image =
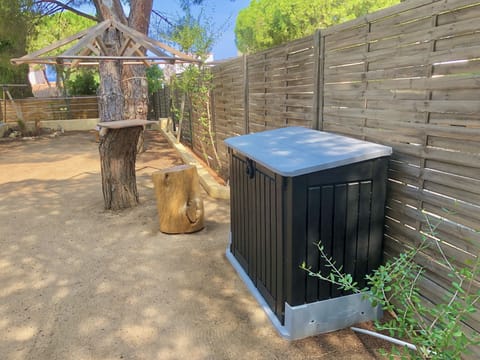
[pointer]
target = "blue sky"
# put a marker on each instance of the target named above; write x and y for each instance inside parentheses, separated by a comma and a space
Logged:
(220, 11)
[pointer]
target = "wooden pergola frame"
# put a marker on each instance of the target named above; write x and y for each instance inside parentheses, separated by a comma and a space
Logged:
(91, 47)
(88, 49)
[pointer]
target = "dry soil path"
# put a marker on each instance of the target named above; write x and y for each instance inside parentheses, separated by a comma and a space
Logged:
(78, 282)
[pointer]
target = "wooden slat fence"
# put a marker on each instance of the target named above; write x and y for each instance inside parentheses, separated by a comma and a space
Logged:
(81, 107)
(228, 103)
(280, 86)
(408, 77)
(57, 108)
(159, 104)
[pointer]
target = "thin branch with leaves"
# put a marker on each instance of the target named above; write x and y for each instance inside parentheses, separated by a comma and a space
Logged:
(436, 330)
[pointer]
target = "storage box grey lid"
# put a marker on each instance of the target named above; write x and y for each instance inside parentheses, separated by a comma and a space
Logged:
(293, 151)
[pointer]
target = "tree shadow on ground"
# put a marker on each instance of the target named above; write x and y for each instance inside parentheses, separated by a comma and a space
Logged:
(78, 282)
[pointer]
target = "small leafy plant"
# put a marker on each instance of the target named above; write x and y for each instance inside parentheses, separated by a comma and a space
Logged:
(436, 330)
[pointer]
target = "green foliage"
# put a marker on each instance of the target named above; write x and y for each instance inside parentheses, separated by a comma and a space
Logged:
(194, 35)
(155, 78)
(267, 23)
(83, 82)
(436, 330)
(52, 28)
(16, 17)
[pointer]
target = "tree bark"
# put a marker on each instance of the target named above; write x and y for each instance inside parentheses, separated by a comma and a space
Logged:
(110, 102)
(118, 147)
(118, 151)
(135, 85)
(117, 157)
(179, 203)
(135, 88)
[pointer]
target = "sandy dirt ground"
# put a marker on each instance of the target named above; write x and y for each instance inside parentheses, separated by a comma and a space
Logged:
(79, 282)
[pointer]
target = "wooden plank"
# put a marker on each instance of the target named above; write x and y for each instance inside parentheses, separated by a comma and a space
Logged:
(380, 14)
(468, 81)
(438, 32)
(374, 114)
(468, 121)
(452, 192)
(462, 234)
(466, 184)
(450, 106)
(346, 38)
(419, 18)
(462, 67)
(119, 124)
(456, 94)
(400, 54)
(461, 40)
(464, 159)
(414, 71)
(99, 27)
(472, 171)
(462, 145)
(466, 10)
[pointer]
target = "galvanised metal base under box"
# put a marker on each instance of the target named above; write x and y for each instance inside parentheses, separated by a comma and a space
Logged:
(290, 189)
(314, 318)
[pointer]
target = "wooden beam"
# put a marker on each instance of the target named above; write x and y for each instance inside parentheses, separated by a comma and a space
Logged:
(56, 45)
(84, 52)
(125, 45)
(139, 44)
(102, 57)
(92, 49)
(149, 42)
(135, 48)
(89, 38)
(101, 45)
(139, 52)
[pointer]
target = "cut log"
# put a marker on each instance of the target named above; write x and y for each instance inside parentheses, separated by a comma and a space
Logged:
(180, 206)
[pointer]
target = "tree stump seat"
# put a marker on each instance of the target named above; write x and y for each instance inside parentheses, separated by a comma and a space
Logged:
(179, 202)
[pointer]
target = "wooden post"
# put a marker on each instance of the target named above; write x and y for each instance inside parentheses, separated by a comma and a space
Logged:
(180, 206)
(319, 54)
(246, 105)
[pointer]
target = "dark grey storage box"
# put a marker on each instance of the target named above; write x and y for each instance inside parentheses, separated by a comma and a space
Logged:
(290, 188)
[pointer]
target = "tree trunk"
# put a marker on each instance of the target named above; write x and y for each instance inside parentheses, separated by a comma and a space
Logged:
(180, 206)
(118, 151)
(118, 147)
(110, 102)
(135, 85)
(135, 89)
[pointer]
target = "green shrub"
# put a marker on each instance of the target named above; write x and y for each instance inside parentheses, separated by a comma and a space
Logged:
(437, 331)
(83, 82)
